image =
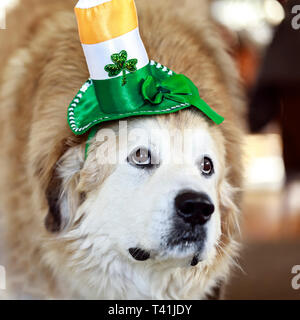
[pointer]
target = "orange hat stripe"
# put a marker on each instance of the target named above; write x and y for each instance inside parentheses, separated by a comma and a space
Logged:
(106, 21)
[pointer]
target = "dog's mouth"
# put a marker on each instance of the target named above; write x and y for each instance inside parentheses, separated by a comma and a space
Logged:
(181, 244)
(142, 255)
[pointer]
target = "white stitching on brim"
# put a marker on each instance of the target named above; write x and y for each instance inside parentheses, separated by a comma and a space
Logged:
(90, 82)
(128, 114)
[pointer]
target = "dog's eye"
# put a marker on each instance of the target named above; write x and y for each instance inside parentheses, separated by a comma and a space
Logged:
(140, 157)
(206, 166)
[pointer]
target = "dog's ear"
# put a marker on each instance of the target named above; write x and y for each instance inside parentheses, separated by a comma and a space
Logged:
(61, 193)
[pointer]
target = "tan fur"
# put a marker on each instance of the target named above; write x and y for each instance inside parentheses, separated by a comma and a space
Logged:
(42, 68)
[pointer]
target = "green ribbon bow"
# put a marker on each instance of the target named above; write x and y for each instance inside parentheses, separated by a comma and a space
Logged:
(177, 88)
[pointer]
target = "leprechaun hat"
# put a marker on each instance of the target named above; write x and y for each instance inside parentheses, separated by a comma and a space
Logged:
(123, 82)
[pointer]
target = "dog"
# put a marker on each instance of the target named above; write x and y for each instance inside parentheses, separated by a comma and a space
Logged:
(156, 224)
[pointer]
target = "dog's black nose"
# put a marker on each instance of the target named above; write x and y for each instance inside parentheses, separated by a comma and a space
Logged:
(193, 207)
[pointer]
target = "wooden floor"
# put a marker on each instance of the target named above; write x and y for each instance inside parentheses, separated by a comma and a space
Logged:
(266, 272)
(271, 236)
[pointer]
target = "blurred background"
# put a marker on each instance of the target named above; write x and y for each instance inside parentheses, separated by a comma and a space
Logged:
(264, 38)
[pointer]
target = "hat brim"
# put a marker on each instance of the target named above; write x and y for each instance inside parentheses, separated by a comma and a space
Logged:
(88, 104)
(84, 111)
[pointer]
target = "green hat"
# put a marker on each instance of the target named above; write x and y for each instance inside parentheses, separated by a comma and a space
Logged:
(123, 82)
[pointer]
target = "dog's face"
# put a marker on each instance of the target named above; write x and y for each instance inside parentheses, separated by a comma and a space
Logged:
(161, 201)
(152, 196)
(152, 193)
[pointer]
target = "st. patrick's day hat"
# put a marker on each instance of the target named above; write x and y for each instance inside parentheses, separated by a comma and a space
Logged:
(123, 82)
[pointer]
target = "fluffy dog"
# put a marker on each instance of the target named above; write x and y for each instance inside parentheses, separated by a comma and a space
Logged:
(129, 229)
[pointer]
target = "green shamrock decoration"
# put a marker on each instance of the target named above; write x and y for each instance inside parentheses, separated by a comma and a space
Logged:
(121, 64)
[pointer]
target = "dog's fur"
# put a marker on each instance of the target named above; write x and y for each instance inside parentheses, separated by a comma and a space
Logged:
(62, 230)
